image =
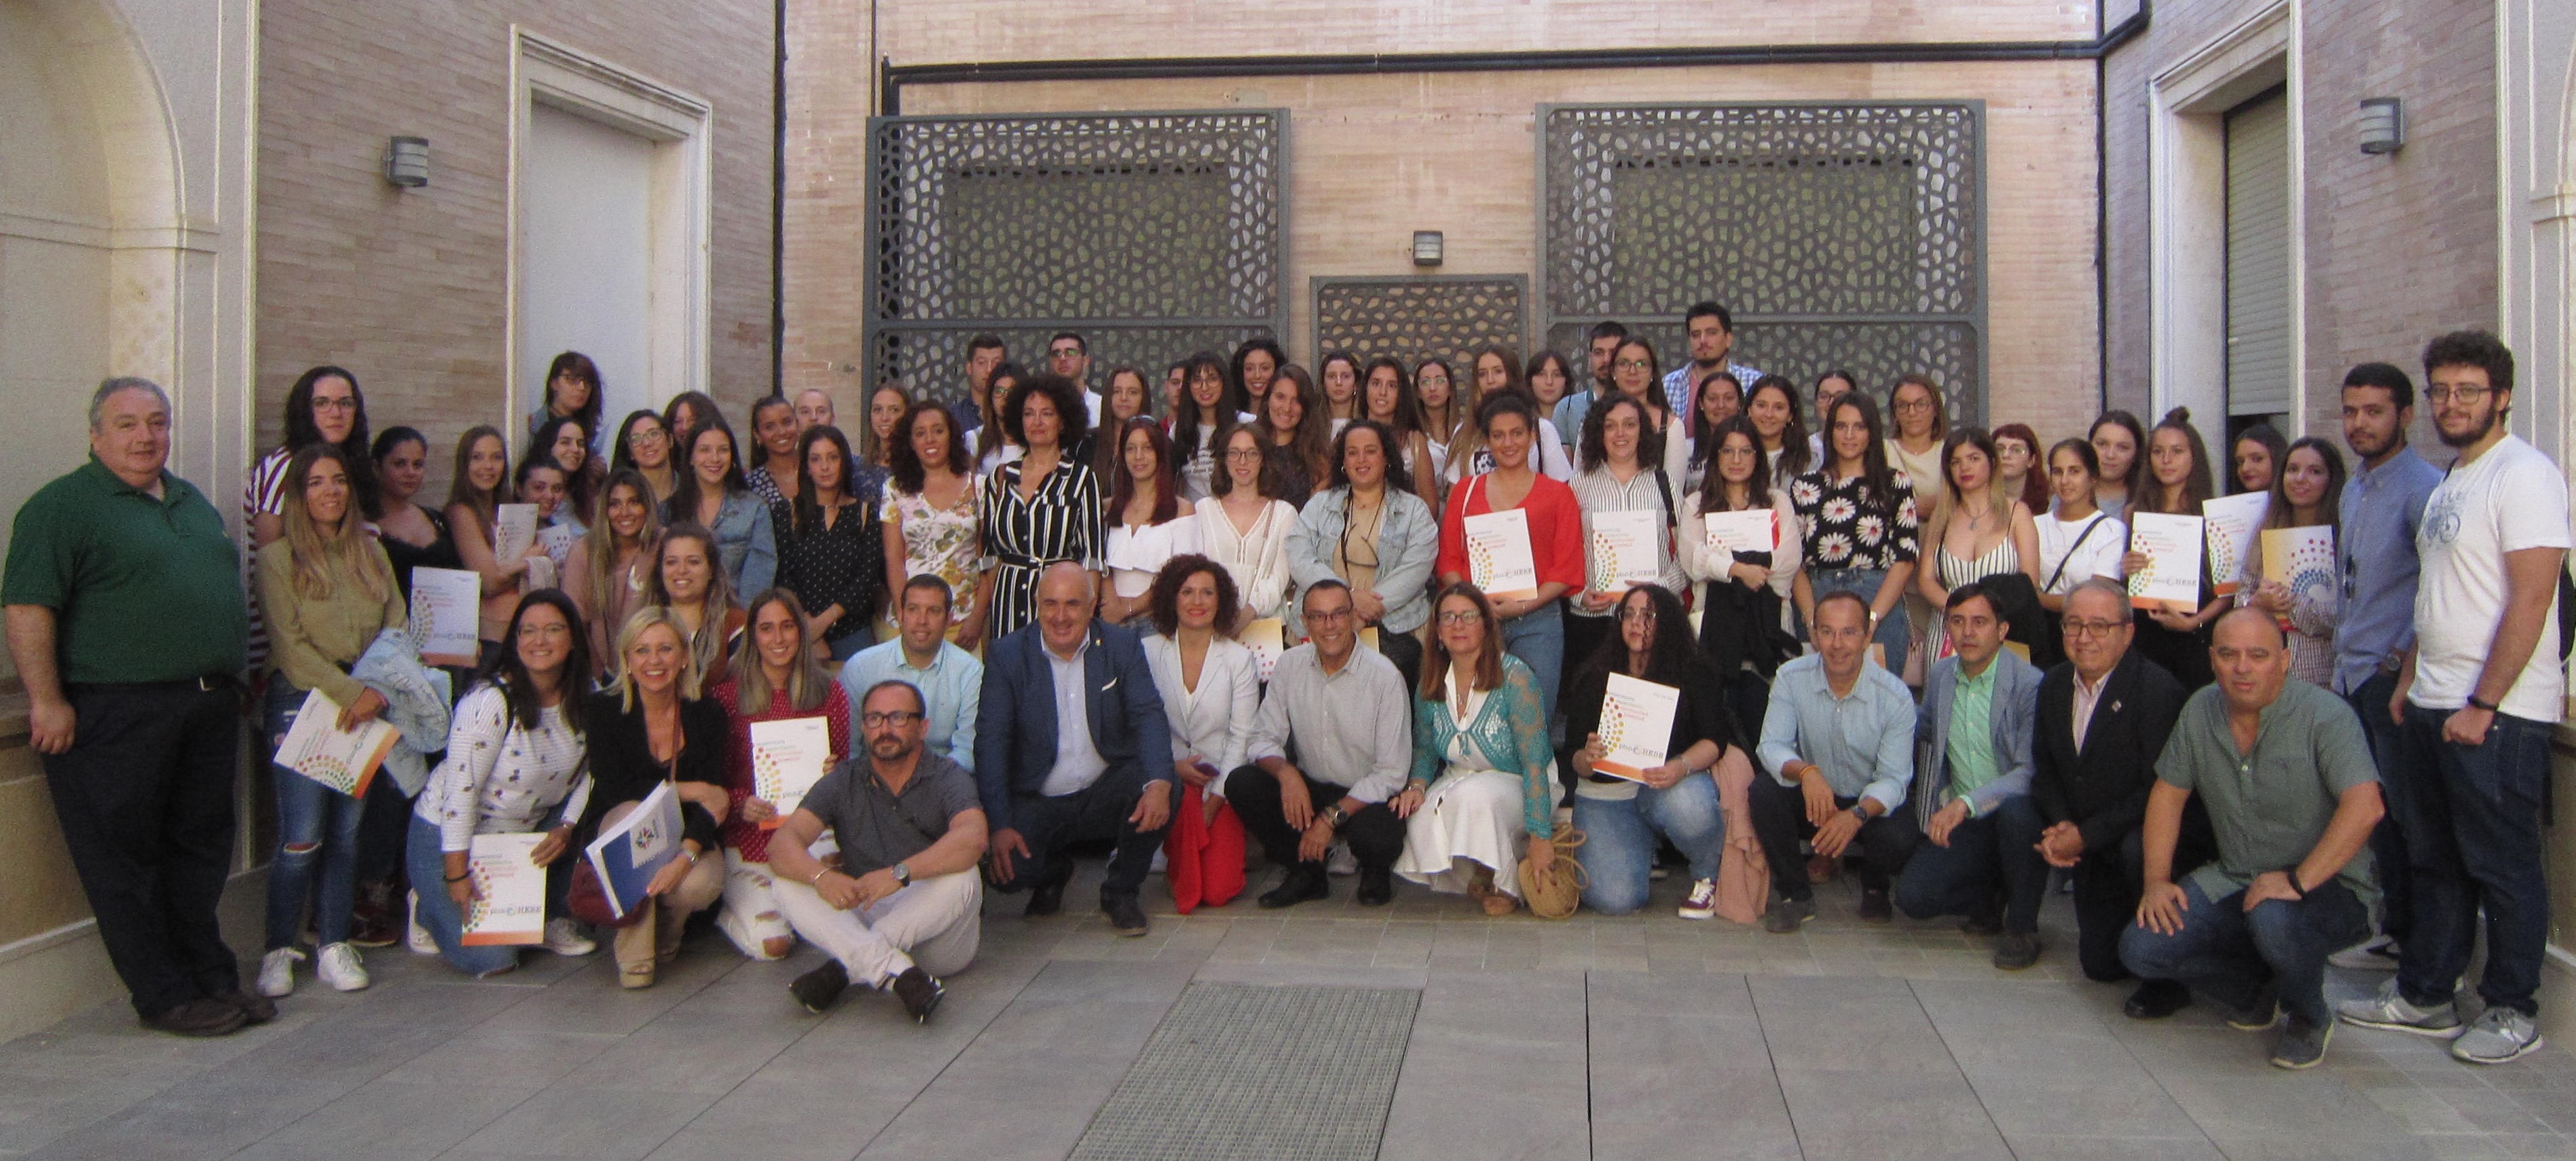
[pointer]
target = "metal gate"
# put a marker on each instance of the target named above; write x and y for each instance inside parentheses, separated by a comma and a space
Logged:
(1151, 234)
(1840, 234)
(1415, 318)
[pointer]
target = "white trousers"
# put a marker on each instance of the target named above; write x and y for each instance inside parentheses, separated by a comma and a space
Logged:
(935, 923)
(1467, 817)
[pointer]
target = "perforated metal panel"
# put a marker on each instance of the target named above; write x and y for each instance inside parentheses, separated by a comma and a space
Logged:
(1243, 1073)
(1839, 234)
(1448, 315)
(1152, 234)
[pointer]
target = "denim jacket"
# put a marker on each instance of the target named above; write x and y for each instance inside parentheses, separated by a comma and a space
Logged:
(746, 544)
(1408, 542)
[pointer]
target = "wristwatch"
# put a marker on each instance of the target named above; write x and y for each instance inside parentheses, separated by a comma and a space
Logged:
(902, 875)
(1333, 816)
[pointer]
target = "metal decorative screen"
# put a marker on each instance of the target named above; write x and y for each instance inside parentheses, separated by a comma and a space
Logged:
(1846, 235)
(1415, 318)
(1152, 234)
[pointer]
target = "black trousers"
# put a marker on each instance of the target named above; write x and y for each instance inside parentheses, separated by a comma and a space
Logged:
(2108, 882)
(1376, 835)
(1095, 813)
(1780, 821)
(1405, 650)
(145, 799)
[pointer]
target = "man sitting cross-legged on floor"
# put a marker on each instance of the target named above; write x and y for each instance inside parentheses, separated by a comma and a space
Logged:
(1981, 830)
(905, 906)
(2292, 793)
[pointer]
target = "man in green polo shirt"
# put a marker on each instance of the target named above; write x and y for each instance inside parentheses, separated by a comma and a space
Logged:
(125, 616)
(2293, 793)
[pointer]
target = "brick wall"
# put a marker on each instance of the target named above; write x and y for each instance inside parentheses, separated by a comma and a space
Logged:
(406, 288)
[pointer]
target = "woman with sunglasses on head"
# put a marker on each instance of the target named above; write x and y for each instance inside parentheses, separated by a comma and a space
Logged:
(773, 677)
(1369, 530)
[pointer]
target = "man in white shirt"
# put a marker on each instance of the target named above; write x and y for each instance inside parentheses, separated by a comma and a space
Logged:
(2478, 695)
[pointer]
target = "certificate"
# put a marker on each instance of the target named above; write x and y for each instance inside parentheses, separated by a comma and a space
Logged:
(1267, 638)
(509, 907)
(1636, 726)
(1619, 550)
(2301, 560)
(2233, 522)
(1733, 533)
(626, 855)
(344, 760)
(2172, 546)
(557, 541)
(787, 759)
(1498, 554)
(514, 531)
(446, 614)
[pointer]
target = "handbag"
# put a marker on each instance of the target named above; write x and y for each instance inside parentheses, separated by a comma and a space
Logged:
(1555, 892)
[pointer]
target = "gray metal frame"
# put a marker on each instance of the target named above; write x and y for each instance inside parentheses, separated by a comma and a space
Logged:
(1243, 297)
(1518, 285)
(1775, 133)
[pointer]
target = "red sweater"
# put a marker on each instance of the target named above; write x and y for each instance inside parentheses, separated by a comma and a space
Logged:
(1555, 523)
(747, 837)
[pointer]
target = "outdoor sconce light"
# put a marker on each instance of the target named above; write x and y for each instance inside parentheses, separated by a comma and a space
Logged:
(2383, 125)
(407, 162)
(1426, 247)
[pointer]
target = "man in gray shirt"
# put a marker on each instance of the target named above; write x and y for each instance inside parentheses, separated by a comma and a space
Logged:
(1838, 741)
(2292, 793)
(905, 905)
(1343, 712)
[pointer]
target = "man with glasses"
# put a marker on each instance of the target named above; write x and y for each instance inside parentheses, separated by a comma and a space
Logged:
(2379, 513)
(1070, 356)
(1838, 741)
(2479, 693)
(1343, 712)
(1974, 739)
(904, 907)
(2104, 714)
(1711, 330)
(950, 679)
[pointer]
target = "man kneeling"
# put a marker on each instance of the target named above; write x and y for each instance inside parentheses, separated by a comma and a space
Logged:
(904, 906)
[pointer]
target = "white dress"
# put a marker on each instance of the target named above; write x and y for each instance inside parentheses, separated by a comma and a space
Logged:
(1256, 560)
(1470, 817)
(1133, 554)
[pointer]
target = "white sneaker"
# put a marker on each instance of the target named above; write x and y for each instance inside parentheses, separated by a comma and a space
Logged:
(1702, 903)
(418, 939)
(2376, 954)
(277, 972)
(564, 937)
(341, 968)
(1338, 859)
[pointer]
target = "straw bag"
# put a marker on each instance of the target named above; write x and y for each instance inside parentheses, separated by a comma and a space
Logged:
(1555, 892)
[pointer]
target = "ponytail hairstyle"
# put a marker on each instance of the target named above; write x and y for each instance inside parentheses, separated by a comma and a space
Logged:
(2197, 484)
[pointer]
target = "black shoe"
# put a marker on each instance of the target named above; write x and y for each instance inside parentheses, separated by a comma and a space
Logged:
(1126, 916)
(2301, 1044)
(2262, 1014)
(1874, 907)
(1987, 921)
(2156, 999)
(1299, 886)
(199, 1017)
(2017, 950)
(1787, 915)
(819, 988)
(1044, 899)
(255, 1008)
(920, 992)
(1377, 888)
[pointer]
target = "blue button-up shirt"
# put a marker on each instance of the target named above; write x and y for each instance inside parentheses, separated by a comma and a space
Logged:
(2379, 510)
(953, 685)
(1864, 742)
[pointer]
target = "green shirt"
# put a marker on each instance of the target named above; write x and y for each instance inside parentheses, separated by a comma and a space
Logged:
(2270, 806)
(1972, 733)
(142, 589)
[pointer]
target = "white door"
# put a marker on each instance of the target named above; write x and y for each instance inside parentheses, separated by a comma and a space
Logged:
(587, 233)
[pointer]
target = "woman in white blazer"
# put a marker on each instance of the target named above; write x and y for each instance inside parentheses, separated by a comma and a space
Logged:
(1211, 689)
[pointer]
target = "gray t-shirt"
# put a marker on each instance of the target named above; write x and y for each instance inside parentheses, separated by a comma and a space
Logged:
(879, 828)
(2270, 806)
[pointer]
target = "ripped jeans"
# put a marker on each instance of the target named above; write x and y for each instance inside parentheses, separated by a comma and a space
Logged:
(317, 837)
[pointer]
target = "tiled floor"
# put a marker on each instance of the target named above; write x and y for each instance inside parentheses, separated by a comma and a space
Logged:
(1641, 1037)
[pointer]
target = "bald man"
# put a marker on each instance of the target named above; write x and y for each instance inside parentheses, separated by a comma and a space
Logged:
(1071, 744)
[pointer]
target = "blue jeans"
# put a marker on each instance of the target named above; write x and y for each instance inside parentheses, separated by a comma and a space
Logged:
(1619, 847)
(1989, 855)
(1863, 583)
(438, 912)
(2388, 839)
(1537, 637)
(2472, 820)
(317, 833)
(2228, 954)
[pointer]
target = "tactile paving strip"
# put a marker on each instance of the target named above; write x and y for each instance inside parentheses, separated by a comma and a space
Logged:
(1244, 1073)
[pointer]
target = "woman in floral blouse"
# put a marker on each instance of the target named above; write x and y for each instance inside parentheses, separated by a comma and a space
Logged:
(1860, 523)
(930, 514)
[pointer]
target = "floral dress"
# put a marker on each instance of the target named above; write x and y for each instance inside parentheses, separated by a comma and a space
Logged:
(945, 542)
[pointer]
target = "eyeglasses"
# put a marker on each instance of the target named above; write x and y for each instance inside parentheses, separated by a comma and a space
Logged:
(1914, 405)
(2436, 394)
(2094, 628)
(1065, 353)
(1461, 617)
(1644, 616)
(898, 718)
(1315, 615)
(1633, 365)
(1243, 453)
(335, 405)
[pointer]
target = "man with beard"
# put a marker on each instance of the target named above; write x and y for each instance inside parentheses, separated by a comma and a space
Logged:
(1711, 330)
(2478, 696)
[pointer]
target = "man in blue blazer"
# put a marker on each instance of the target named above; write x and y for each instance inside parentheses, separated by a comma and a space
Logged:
(1071, 745)
(1972, 786)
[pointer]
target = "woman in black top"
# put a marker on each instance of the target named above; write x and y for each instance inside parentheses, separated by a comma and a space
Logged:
(648, 728)
(834, 556)
(414, 534)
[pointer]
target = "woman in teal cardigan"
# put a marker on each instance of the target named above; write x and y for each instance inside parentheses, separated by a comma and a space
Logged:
(1483, 792)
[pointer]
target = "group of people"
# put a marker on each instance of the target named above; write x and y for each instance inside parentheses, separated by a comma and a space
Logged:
(1245, 607)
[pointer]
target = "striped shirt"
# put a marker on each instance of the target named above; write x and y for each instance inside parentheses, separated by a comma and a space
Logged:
(263, 493)
(1062, 521)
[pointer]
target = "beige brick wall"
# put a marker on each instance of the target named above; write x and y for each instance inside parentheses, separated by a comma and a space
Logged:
(406, 288)
(1374, 157)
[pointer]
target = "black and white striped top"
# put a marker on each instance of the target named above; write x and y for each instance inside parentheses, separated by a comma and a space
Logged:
(1062, 521)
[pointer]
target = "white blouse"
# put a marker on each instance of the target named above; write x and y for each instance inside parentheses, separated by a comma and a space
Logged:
(2098, 555)
(1704, 564)
(1213, 722)
(1257, 560)
(1134, 554)
(499, 778)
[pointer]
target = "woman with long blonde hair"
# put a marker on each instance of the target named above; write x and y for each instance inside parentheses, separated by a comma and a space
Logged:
(611, 570)
(688, 581)
(650, 728)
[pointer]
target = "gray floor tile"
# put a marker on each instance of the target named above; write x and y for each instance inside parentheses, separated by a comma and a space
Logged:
(620, 1124)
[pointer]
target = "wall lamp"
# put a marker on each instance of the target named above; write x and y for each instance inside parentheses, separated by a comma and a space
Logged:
(1426, 247)
(407, 162)
(2383, 125)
